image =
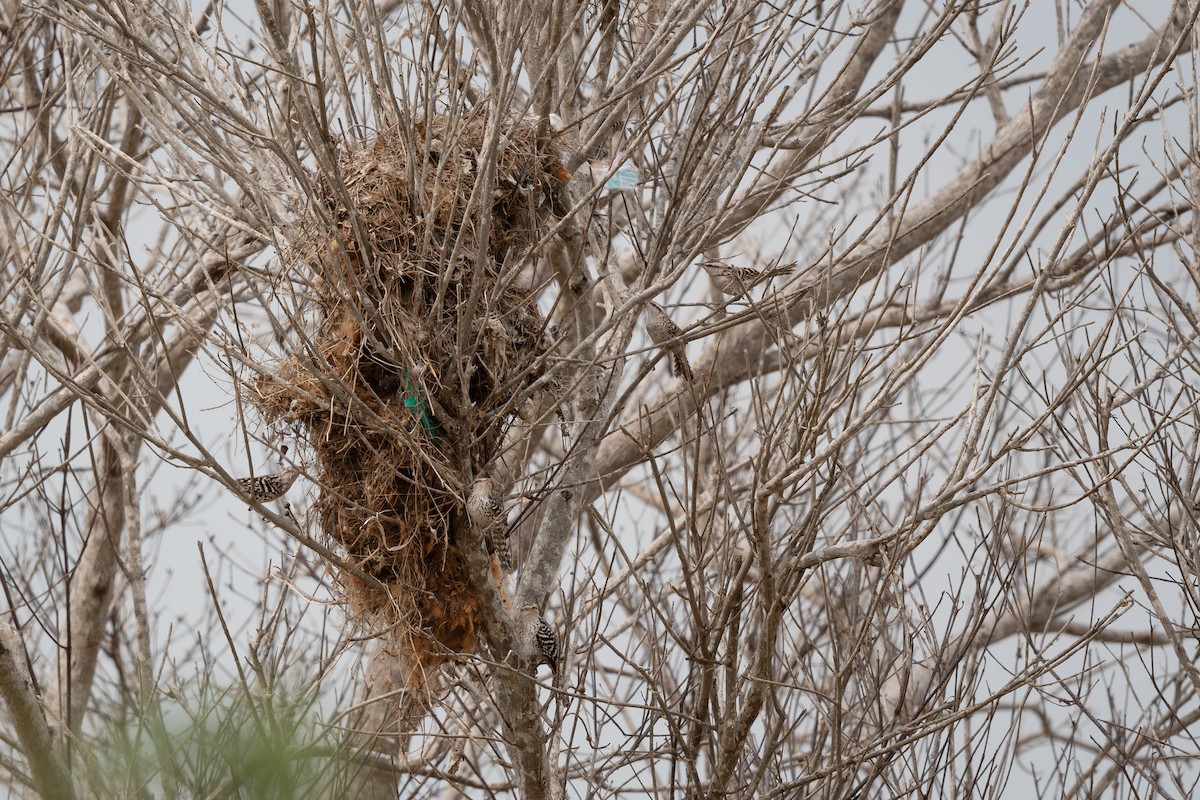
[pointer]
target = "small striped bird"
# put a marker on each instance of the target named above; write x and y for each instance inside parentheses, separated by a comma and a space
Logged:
(487, 517)
(666, 334)
(265, 488)
(736, 281)
(537, 638)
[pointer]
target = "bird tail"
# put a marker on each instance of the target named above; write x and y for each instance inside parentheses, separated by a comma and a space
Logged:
(680, 366)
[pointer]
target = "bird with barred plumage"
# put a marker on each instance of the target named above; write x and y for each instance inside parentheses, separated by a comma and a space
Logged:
(736, 281)
(487, 517)
(667, 335)
(265, 488)
(537, 638)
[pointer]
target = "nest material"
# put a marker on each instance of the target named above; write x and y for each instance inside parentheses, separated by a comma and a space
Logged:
(412, 267)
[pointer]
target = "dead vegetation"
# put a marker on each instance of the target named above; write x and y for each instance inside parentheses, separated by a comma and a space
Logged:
(426, 329)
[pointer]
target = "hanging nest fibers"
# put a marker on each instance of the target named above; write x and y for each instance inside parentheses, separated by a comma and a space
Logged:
(423, 335)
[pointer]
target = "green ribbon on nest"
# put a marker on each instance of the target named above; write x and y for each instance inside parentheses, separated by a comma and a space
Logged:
(412, 399)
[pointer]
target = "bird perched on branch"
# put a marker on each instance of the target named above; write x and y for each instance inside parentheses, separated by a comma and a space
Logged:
(265, 488)
(487, 517)
(666, 334)
(536, 638)
(736, 281)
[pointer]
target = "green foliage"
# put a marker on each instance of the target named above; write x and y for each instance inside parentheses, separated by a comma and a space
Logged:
(231, 744)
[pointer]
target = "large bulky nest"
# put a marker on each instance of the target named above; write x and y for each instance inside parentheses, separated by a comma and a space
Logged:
(396, 417)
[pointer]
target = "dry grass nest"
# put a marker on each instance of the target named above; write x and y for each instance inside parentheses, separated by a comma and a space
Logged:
(422, 339)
